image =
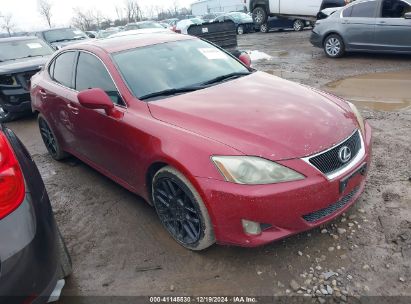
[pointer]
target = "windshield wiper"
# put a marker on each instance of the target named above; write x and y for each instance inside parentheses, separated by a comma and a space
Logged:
(226, 77)
(61, 40)
(170, 92)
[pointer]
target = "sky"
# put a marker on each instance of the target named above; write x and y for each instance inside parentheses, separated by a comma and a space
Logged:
(26, 16)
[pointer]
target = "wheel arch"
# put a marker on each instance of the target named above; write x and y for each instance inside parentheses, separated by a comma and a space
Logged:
(262, 3)
(333, 33)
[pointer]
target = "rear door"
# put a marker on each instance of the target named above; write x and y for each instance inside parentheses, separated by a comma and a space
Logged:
(358, 24)
(393, 31)
(301, 7)
(53, 95)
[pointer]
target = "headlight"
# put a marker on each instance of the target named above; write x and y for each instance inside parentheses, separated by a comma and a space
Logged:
(359, 117)
(253, 170)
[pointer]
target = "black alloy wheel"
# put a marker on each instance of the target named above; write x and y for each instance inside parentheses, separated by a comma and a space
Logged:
(50, 140)
(181, 210)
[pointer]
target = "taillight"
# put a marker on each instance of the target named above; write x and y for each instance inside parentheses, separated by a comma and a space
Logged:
(11, 179)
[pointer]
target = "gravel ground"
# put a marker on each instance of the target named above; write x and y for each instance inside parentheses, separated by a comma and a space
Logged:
(119, 247)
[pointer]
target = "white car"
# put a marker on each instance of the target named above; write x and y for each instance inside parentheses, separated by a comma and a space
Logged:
(183, 25)
(142, 31)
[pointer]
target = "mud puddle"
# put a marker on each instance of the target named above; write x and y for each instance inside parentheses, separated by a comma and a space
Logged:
(388, 91)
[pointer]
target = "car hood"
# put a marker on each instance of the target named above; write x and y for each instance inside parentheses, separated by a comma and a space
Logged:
(22, 65)
(261, 115)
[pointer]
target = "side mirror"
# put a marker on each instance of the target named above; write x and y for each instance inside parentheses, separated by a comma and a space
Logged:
(407, 15)
(245, 58)
(96, 99)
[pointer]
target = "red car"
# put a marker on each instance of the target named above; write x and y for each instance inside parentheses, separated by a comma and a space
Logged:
(224, 153)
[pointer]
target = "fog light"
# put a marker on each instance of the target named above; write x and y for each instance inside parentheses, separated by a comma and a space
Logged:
(251, 227)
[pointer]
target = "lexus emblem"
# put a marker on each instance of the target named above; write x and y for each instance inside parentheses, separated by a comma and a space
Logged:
(344, 154)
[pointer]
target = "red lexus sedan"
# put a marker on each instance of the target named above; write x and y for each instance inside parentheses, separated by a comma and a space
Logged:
(224, 153)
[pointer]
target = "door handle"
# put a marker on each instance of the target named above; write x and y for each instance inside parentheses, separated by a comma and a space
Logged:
(43, 94)
(73, 109)
(382, 22)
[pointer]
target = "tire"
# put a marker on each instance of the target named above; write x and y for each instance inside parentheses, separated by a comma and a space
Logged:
(334, 46)
(260, 15)
(66, 267)
(264, 28)
(50, 139)
(181, 210)
(5, 116)
(298, 25)
(240, 30)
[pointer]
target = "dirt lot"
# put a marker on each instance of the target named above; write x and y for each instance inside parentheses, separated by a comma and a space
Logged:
(119, 247)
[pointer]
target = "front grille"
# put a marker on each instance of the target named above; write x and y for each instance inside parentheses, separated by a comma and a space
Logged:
(329, 161)
(318, 215)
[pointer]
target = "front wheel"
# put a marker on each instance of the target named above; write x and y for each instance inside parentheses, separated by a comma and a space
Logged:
(181, 210)
(5, 116)
(264, 28)
(334, 46)
(298, 25)
(259, 15)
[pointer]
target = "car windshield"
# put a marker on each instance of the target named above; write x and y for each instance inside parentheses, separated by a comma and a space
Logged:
(12, 50)
(64, 35)
(105, 34)
(143, 25)
(175, 65)
(240, 17)
(197, 21)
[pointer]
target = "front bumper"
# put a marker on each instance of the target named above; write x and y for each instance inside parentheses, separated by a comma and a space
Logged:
(16, 100)
(316, 40)
(281, 207)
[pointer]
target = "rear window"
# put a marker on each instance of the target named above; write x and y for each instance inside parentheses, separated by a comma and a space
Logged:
(60, 35)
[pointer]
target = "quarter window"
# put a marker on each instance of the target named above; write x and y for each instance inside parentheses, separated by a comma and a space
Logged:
(394, 9)
(91, 74)
(63, 68)
(364, 9)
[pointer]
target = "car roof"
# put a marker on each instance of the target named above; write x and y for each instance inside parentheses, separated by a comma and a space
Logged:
(21, 38)
(123, 43)
(58, 28)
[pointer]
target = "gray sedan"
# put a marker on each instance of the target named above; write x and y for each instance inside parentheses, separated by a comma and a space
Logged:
(366, 26)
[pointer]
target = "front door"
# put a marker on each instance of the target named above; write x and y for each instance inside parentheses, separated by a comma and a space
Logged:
(358, 25)
(393, 30)
(102, 139)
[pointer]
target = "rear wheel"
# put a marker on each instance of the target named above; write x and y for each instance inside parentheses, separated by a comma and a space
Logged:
(298, 25)
(264, 28)
(181, 210)
(260, 15)
(334, 46)
(50, 140)
(5, 116)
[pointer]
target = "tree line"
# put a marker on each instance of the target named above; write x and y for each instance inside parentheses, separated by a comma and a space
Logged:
(126, 12)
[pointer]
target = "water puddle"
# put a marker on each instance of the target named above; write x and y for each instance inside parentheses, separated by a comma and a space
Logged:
(388, 91)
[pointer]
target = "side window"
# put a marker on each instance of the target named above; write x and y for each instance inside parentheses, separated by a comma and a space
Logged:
(63, 68)
(91, 74)
(364, 9)
(347, 12)
(394, 9)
